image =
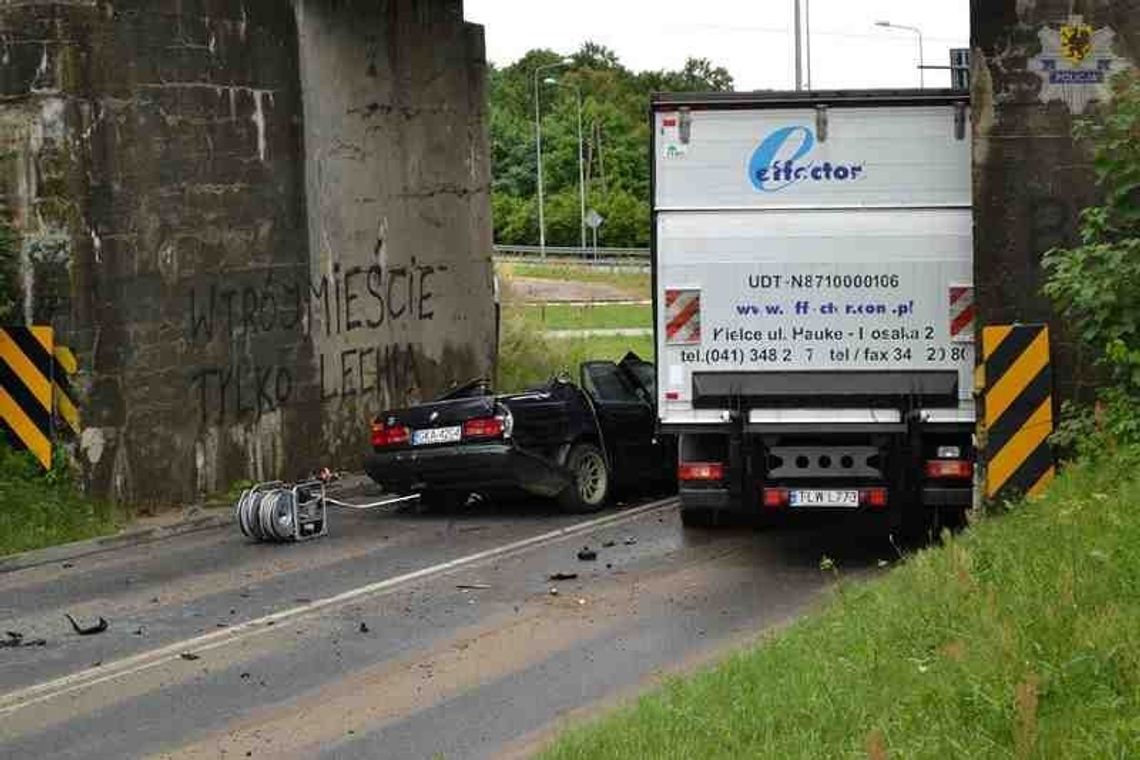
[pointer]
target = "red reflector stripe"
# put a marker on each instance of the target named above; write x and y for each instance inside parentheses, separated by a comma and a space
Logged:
(949, 468)
(700, 471)
(682, 318)
(672, 395)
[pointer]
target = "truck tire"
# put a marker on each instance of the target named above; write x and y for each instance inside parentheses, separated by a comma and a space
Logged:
(589, 487)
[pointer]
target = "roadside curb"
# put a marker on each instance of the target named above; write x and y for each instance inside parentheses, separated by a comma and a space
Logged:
(77, 549)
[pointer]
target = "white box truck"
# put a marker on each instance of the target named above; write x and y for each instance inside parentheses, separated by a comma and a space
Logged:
(814, 303)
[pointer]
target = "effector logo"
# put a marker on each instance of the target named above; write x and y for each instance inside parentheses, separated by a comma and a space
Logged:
(775, 164)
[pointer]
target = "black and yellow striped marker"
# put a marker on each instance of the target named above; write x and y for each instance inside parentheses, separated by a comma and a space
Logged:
(26, 389)
(1018, 410)
(64, 365)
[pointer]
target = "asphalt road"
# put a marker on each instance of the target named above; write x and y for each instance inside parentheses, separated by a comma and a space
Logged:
(364, 643)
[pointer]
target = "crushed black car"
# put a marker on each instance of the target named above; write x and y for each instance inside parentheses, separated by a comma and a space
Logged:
(577, 443)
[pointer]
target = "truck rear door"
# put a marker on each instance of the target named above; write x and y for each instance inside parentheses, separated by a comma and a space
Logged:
(804, 241)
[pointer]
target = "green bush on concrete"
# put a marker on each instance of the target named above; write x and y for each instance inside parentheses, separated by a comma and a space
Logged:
(40, 508)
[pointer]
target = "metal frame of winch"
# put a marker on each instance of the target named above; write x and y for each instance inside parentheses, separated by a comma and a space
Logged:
(280, 512)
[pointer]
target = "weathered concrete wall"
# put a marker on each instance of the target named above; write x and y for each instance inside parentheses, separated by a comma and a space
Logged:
(242, 294)
(1031, 179)
(398, 181)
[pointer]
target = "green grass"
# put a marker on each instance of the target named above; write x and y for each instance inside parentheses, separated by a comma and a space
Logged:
(1018, 639)
(40, 509)
(595, 316)
(527, 358)
(635, 283)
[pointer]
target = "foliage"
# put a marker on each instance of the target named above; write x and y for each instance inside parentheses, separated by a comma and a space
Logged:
(1018, 638)
(615, 137)
(1097, 284)
(42, 509)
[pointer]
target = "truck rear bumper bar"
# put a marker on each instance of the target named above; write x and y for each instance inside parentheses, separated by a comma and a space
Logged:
(708, 498)
(941, 496)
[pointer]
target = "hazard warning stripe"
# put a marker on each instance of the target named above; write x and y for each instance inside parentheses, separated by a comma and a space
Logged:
(962, 313)
(66, 404)
(26, 388)
(1018, 409)
(683, 317)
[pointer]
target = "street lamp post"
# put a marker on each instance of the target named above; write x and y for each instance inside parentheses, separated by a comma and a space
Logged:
(921, 60)
(538, 150)
(581, 163)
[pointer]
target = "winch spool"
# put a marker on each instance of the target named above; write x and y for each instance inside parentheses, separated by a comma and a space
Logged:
(280, 512)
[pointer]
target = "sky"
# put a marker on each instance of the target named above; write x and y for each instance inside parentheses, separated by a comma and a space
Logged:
(751, 38)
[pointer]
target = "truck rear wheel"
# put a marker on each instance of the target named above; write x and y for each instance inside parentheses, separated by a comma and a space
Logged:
(589, 487)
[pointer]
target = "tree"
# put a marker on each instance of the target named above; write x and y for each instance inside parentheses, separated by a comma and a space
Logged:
(615, 143)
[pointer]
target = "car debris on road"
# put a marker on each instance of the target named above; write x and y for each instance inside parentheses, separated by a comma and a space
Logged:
(90, 630)
(15, 640)
(562, 576)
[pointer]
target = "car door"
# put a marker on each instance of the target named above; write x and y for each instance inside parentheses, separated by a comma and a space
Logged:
(625, 416)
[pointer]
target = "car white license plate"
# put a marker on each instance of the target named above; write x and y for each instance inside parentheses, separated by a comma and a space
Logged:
(437, 435)
(823, 498)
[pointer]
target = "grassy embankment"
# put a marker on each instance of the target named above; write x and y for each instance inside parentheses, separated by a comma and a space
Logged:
(43, 509)
(1020, 638)
(529, 356)
(634, 282)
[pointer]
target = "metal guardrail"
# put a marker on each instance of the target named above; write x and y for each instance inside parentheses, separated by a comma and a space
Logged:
(564, 252)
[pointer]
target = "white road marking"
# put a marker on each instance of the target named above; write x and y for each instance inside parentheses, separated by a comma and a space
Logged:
(83, 679)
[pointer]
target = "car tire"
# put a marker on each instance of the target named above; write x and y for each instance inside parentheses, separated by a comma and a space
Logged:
(590, 480)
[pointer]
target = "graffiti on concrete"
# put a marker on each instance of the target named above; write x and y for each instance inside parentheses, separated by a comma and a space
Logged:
(342, 311)
(351, 299)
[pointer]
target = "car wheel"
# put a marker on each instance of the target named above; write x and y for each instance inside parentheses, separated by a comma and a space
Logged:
(590, 480)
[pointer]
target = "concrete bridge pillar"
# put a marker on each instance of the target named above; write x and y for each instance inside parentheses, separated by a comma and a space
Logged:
(1037, 66)
(258, 224)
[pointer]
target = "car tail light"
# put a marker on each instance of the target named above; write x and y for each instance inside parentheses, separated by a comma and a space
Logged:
(700, 471)
(389, 435)
(484, 427)
(775, 498)
(672, 395)
(958, 469)
(875, 498)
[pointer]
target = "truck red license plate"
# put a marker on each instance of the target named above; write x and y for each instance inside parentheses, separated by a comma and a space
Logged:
(823, 498)
(437, 435)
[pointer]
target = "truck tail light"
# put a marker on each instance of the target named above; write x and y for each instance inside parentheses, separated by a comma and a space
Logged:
(956, 469)
(389, 435)
(484, 427)
(687, 471)
(875, 498)
(774, 498)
